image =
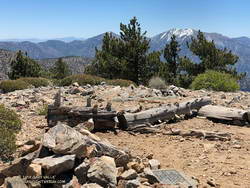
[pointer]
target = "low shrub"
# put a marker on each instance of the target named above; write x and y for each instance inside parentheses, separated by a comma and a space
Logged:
(157, 83)
(216, 81)
(9, 119)
(12, 85)
(81, 79)
(7, 144)
(120, 82)
(36, 82)
(10, 124)
(43, 111)
(55, 82)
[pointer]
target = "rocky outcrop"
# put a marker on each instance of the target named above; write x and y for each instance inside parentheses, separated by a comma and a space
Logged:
(103, 172)
(78, 160)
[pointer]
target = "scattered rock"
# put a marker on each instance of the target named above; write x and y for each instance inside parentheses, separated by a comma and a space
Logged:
(75, 84)
(211, 182)
(29, 148)
(129, 175)
(150, 176)
(19, 166)
(81, 172)
(150, 156)
(72, 184)
(75, 90)
(223, 96)
(91, 185)
(54, 165)
(132, 183)
(34, 170)
(2, 177)
(14, 182)
(103, 172)
(154, 164)
(138, 167)
(237, 146)
(87, 92)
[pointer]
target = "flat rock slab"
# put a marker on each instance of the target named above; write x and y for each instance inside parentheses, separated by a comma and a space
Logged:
(174, 177)
(54, 165)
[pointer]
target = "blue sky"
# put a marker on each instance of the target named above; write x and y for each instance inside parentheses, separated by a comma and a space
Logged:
(86, 18)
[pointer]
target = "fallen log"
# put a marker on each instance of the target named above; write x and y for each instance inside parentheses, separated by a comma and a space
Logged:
(74, 115)
(143, 129)
(209, 135)
(224, 113)
(162, 113)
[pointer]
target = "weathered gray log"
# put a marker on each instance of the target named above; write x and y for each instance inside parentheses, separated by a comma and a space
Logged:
(80, 114)
(144, 129)
(209, 135)
(58, 99)
(89, 102)
(165, 112)
(223, 113)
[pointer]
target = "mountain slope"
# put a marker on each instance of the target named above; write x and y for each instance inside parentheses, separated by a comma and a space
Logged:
(56, 48)
(239, 46)
(75, 63)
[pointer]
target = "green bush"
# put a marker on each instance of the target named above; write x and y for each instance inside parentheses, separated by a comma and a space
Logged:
(23, 66)
(81, 79)
(7, 144)
(55, 82)
(12, 85)
(157, 83)
(10, 124)
(216, 81)
(43, 111)
(9, 119)
(36, 82)
(120, 82)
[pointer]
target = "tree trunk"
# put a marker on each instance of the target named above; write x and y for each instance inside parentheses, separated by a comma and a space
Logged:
(75, 115)
(209, 135)
(223, 113)
(165, 112)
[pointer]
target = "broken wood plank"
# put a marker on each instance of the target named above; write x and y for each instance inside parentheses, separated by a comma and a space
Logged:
(79, 115)
(223, 113)
(165, 112)
(209, 135)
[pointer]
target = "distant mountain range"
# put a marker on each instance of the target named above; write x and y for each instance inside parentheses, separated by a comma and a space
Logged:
(37, 40)
(86, 48)
(75, 63)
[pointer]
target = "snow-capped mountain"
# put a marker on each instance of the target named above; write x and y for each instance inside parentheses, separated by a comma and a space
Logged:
(179, 33)
(239, 46)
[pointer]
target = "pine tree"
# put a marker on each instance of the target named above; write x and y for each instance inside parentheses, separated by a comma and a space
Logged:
(171, 54)
(135, 49)
(61, 69)
(23, 66)
(125, 57)
(212, 58)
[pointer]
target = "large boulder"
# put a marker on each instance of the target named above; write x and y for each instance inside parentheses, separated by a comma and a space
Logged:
(62, 139)
(103, 172)
(54, 165)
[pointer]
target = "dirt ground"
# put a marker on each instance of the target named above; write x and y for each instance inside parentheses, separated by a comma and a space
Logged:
(227, 162)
